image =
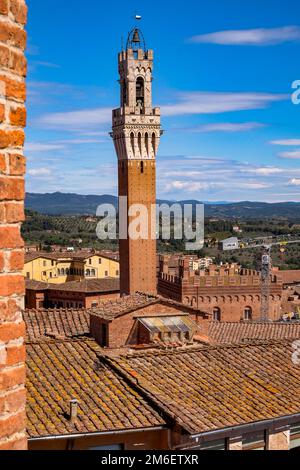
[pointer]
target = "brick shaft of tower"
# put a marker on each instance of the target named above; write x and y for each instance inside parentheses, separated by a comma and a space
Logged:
(136, 134)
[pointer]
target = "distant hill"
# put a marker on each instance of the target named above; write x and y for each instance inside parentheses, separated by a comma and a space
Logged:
(77, 204)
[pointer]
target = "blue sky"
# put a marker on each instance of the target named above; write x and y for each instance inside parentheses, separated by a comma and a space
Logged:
(223, 77)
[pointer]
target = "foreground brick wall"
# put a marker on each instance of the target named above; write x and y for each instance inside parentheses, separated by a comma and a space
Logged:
(12, 166)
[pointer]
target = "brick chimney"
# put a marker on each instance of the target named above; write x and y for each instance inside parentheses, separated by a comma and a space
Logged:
(12, 167)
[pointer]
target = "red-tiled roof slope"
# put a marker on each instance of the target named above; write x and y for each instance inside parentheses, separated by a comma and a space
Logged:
(220, 332)
(60, 371)
(218, 387)
(116, 308)
(89, 286)
(45, 324)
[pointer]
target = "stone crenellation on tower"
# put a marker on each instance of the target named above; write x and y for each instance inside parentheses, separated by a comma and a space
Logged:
(136, 135)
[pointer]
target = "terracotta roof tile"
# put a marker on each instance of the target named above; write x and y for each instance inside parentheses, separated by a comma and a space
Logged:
(115, 308)
(108, 284)
(45, 324)
(217, 387)
(220, 332)
(60, 371)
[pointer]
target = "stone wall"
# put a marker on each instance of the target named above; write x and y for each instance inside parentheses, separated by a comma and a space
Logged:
(12, 167)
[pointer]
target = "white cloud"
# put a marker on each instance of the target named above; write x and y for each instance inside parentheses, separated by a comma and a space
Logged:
(42, 63)
(189, 187)
(229, 127)
(250, 37)
(286, 142)
(294, 182)
(291, 155)
(264, 171)
(42, 147)
(39, 172)
(253, 185)
(219, 102)
(80, 120)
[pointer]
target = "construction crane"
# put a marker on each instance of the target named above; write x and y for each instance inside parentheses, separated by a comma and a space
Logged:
(266, 243)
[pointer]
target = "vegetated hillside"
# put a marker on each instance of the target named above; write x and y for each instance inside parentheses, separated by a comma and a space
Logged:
(77, 204)
(80, 231)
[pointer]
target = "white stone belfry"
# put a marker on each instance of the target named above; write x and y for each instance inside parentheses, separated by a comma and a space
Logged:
(136, 124)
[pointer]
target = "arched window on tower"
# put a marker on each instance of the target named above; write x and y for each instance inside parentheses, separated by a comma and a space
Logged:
(132, 142)
(140, 143)
(217, 314)
(147, 143)
(142, 167)
(153, 142)
(140, 92)
(248, 314)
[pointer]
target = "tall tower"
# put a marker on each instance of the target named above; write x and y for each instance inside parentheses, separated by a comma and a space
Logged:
(136, 134)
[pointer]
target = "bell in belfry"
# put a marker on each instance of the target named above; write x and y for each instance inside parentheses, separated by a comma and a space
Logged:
(136, 36)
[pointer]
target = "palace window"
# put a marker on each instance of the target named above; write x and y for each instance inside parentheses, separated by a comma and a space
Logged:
(217, 314)
(248, 313)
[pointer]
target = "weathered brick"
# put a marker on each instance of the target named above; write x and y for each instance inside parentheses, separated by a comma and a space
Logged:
(12, 169)
(10, 238)
(11, 138)
(2, 112)
(12, 377)
(14, 444)
(19, 10)
(4, 56)
(16, 260)
(18, 63)
(4, 7)
(13, 89)
(12, 424)
(13, 402)
(17, 165)
(9, 311)
(13, 60)
(2, 163)
(13, 35)
(15, 355)
(17, 117)
(14, 212)
(12, 285)
(11, 331)
(12, 188)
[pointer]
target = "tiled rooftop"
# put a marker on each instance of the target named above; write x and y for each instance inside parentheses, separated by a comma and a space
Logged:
(115, 308)
(217, 387)
(80, 255)
(108, 284)
(58, 372)
(45, 324)
(220, 332)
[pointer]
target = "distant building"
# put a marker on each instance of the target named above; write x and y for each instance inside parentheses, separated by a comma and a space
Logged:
(229, 292)
(87, 293)
(229, 244)
(58, 268)
(204, 263)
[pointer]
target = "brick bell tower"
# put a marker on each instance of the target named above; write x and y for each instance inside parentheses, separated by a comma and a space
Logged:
(136, 134)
